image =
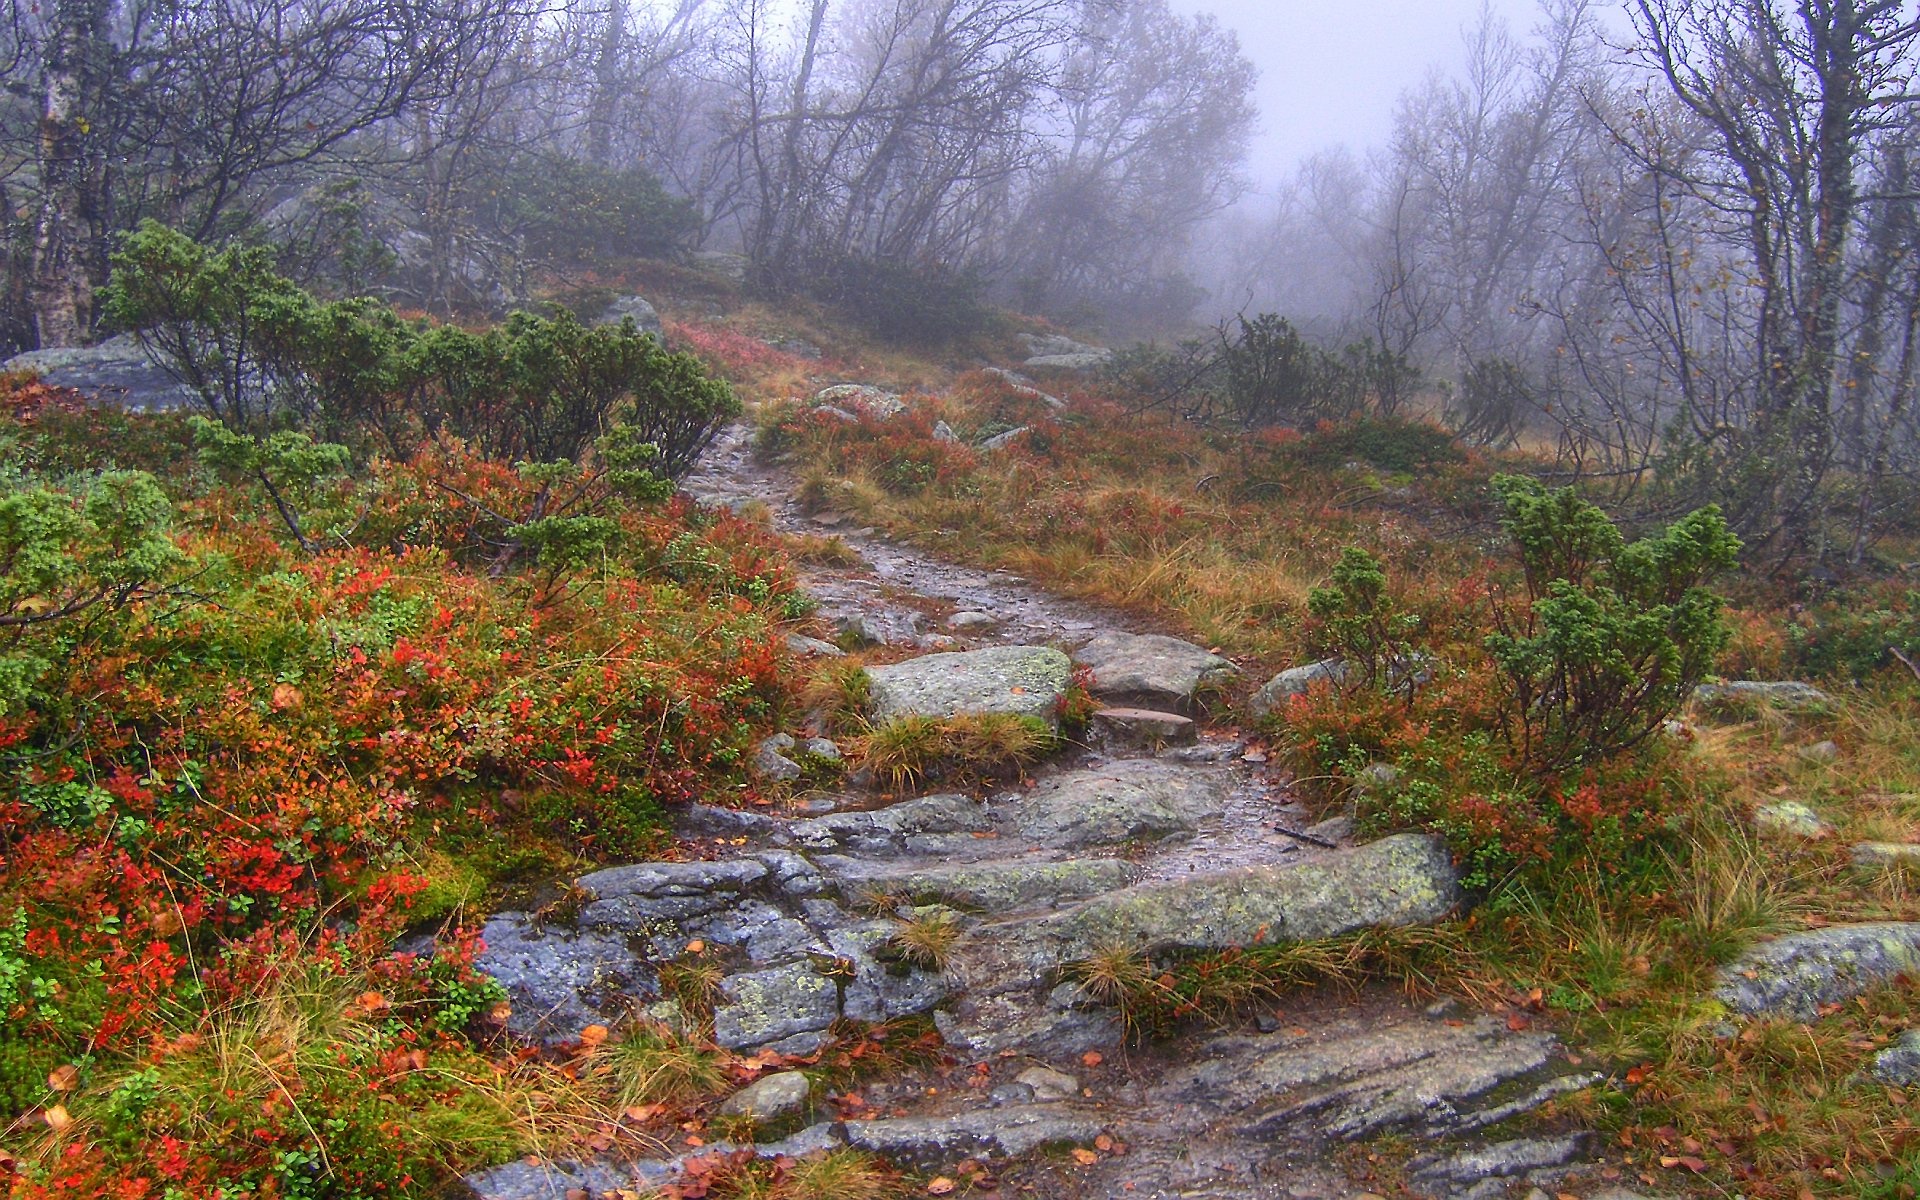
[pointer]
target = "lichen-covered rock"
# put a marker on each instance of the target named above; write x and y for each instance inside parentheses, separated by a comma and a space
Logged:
(881, 991)
(634, 897)
(1787, 694)
(1795, 975)
(522, 1180)
(1123, 802)
(1298, 681)
(893, 829)
(769, 1098)
(812, 647)
(1000, 887)
(1009, 1132)
(766, 1006)
(1404, 880)
(875, 402)
(1151, 668)
(1792, 818)
(1025, 681)
(559, 981)
(1000, 441)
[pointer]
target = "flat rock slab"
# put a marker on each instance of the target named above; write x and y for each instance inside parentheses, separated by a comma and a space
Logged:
(1001, 887)
(910, 825)
(1793, 976)
(1135, 800)
(933, 1142)
(1404, 880)
(1022, 681)
(1151, 668)
(560, 981)
(1144, 727)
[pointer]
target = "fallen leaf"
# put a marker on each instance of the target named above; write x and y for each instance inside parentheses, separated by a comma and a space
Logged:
(373, 1002)
(1675, 1161)
(1518, 1022)
(696, 946)
(1093, 1058)
(593, 1036)
(499, 1013)
(58, 1118)
(1085, 1158)
(1103, 1142)
(63, 1078)
(941, 1186)
(644, 1112)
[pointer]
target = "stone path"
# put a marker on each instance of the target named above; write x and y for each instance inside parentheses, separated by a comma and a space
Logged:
(1158, 844)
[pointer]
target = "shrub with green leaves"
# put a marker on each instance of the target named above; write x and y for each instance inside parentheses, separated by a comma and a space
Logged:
(71, 550)
(1361, 623)
(264, 356)
(1612, 636)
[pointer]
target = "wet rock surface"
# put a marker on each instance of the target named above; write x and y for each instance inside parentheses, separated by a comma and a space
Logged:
(1796, 974)
(1161, 839)
(117, 371)
(1151, 669)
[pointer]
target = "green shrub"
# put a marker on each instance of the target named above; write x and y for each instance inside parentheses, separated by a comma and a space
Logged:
(263, 355)
(1361, 623)
(1612, 636)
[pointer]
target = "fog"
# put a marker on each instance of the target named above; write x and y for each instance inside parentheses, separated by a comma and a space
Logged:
(1332, 71)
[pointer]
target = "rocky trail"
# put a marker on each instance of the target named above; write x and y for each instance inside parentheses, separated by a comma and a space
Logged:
(1161, 836)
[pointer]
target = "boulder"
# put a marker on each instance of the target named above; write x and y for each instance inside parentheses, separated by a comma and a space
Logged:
(1054, 352)
(1135, 800)
(1792, 818)
(1783, 694)
(812, 647)
(117, 371)
(1025, 681)
(1151, 668)
(1000, 441)
(634, 308)
(861, 398)
(943, 432)
(1899, 1064)
(1274, 694)
(1793, 976)
(972, 619)
(933, 1142)
(769, 1098)
(559, 981)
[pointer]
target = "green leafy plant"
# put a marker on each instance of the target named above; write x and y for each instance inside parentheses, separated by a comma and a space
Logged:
(1612, 636)
(1362, 624)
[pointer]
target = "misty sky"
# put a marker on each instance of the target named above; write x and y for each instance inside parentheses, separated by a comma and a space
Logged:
(1331, 71)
